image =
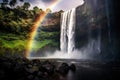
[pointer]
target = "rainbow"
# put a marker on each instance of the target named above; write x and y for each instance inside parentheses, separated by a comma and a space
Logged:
(35, 27)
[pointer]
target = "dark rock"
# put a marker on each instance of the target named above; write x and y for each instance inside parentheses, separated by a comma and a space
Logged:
(18, 67)
(72, 67)
(32, 69)
(39, 74)
(49, 68)
(7, 65)
(30, 77)
(29, 66)
(36, 78)
(2, 74)
(64, 68)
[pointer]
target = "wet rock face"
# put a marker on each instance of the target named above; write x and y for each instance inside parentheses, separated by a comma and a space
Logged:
(51, 22)
(91, 16)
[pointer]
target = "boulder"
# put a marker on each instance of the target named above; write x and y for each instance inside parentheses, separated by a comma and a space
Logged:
(64, 68)
(72, 67)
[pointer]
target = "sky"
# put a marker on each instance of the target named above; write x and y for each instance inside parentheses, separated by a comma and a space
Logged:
(60, 5)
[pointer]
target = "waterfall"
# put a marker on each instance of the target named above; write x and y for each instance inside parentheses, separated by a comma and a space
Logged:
(67, 38)
(67, 42)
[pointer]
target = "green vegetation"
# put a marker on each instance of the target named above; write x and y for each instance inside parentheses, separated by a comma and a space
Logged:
(46, 39)
(11, 43)
(40, 44)
(16, 24)
(48, 35)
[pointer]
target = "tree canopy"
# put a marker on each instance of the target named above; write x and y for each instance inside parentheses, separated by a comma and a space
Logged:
(26, 5)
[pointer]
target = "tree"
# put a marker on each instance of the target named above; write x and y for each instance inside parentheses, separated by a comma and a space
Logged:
(21, 0)
(36, 10)
(12, 3)
(5, 1)
(61, 11)
(26, 5)
(48, 10)
(4, 4)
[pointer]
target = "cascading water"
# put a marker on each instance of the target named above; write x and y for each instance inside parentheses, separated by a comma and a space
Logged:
(67, 38)
(67, 42)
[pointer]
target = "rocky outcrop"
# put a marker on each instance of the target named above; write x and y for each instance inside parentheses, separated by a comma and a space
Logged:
(96, 17)
(91, 17)
(51, 22)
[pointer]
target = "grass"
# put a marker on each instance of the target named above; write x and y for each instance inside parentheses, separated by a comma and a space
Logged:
(13, 43)
(45, 39)
(41, 44)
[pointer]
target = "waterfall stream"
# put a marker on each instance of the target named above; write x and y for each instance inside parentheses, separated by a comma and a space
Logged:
(67, 42)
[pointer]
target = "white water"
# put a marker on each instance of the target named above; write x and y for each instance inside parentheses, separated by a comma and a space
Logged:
(67, 42)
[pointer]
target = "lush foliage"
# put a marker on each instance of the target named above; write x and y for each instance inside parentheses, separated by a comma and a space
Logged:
(11, 43)
(15, 26)
(46, 39)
